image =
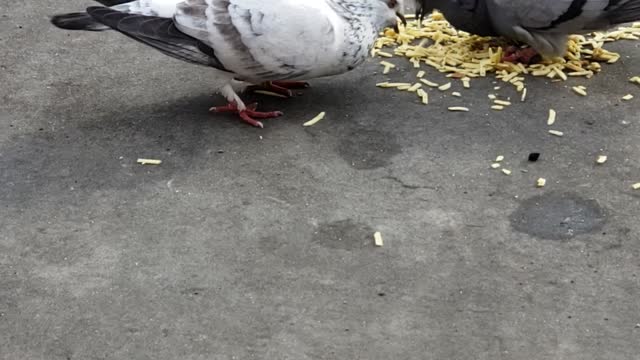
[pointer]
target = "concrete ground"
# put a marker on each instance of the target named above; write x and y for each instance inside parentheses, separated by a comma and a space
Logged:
(257, 244)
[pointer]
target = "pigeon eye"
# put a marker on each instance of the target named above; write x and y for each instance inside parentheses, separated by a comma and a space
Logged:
(392, 3)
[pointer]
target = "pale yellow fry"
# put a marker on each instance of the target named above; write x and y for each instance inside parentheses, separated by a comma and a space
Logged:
(315, 119)
(552, 117)
(444, 87)
(458, 108)
(149, 162)
(429, 83)
(414, 87)
(387, 64)
(580, 91)
(377, 238)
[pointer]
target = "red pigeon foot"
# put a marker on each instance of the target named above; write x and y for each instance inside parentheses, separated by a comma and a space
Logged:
(516, 55)
(249, 114)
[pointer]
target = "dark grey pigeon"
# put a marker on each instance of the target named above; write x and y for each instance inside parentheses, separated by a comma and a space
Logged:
(543, 24)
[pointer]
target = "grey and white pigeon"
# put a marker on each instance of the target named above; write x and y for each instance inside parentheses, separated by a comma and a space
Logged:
(543, 24)
(270, 42)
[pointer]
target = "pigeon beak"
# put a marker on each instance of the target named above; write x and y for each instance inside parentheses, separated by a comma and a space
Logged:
(402, 19)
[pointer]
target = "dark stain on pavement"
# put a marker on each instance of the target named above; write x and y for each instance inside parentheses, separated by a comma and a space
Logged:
(366, 149)
(558, 216)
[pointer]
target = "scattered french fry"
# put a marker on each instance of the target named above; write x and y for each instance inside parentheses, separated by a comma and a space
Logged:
(149, 162)
(377, 238)
(315, 119)
(424, 96)
(387, 66)
(444, 87)
(429, 83)
(580, 90)
(414, 87)
(552, 117)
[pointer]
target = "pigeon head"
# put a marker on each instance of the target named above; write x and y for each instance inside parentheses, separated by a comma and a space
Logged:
(389, 11)
(398, 12)
(382, 13)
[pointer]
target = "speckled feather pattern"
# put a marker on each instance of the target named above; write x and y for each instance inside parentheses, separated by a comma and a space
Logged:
(260, 41)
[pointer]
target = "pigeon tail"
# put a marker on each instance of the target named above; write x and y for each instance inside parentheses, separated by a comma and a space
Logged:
(622, 13)
(77, 21)
(82, 20)
(159, 33)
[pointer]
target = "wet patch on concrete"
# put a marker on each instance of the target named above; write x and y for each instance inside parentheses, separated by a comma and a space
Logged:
(558, 216)
(344, 234)
(366, 149)
(271, 244)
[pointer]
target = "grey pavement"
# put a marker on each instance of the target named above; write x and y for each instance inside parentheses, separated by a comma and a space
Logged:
(257, 244)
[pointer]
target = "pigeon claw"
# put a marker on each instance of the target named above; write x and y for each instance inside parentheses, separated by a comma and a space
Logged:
(249, 114)
(526, 55)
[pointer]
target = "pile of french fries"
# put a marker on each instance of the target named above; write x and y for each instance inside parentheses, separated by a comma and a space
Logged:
(464, 56)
